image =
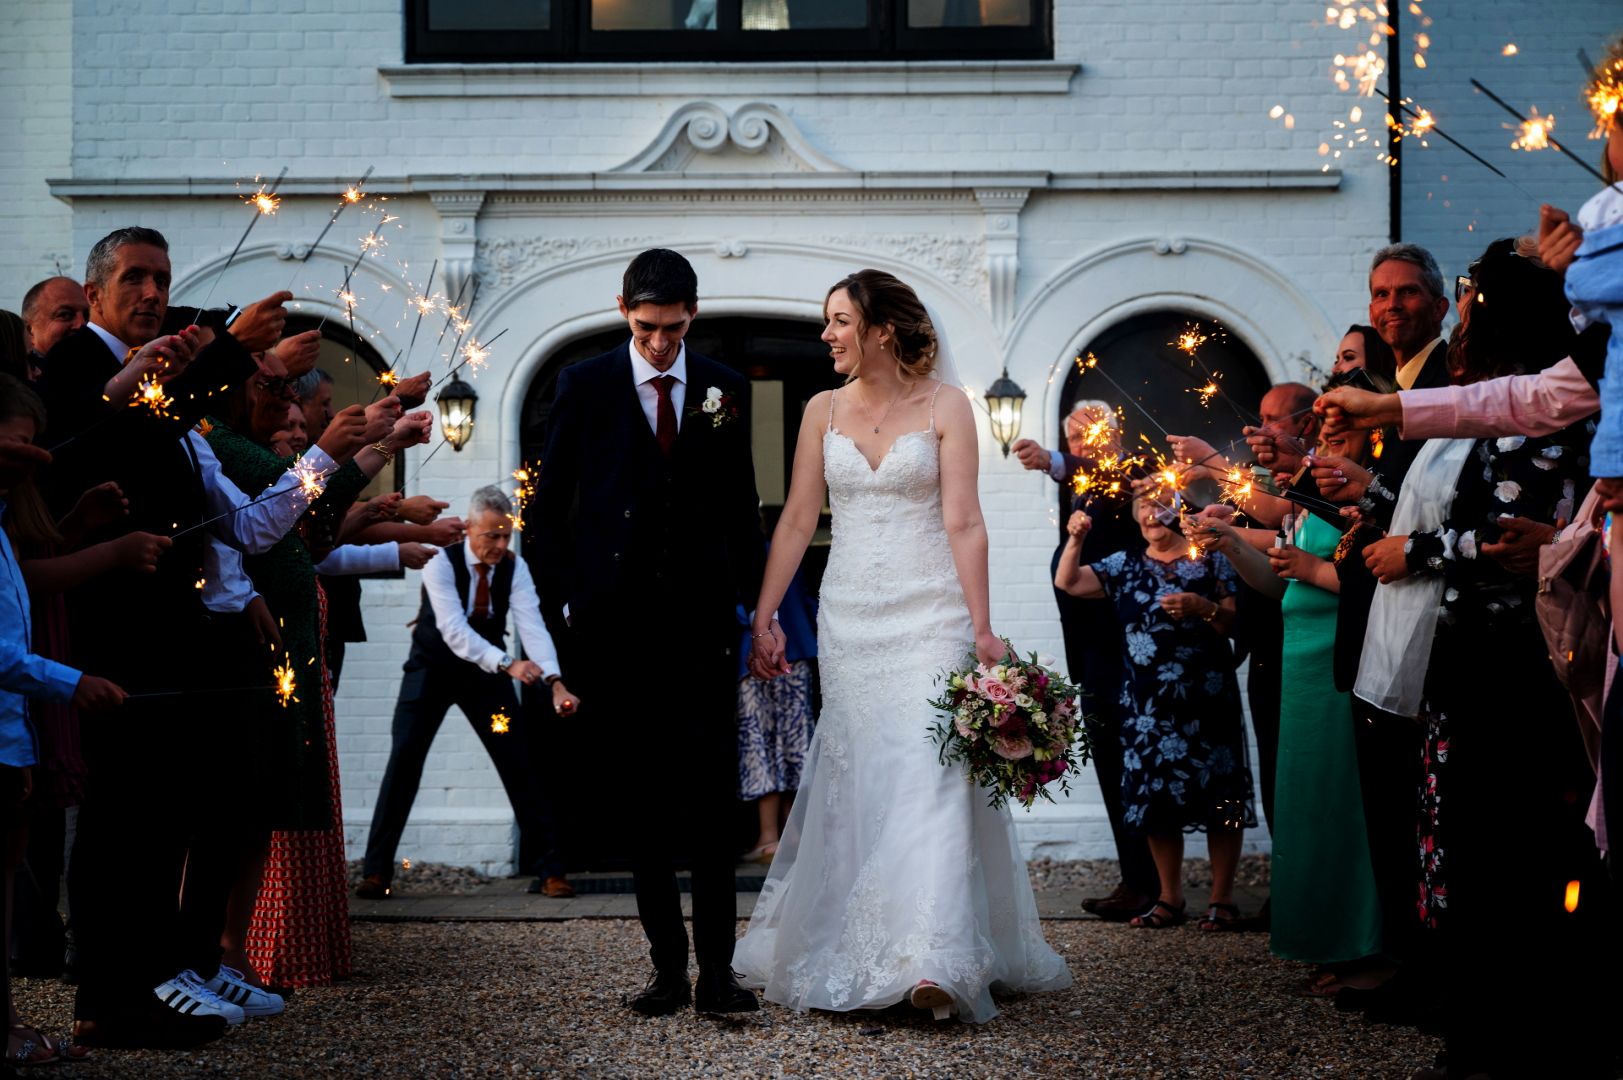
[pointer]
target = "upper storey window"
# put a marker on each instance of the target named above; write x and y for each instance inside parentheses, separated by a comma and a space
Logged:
(535, 31)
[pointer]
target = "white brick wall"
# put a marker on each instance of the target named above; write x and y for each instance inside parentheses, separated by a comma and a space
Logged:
(224, 89)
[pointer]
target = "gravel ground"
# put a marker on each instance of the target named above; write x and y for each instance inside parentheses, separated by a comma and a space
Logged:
(1102, 874)
(528, 999)
(424, 879)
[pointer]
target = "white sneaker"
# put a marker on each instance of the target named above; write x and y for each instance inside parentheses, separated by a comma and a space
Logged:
(187, 995)
(251, 999)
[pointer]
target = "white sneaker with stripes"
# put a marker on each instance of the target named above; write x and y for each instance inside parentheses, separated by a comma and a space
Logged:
(251, 999)
(187, 995)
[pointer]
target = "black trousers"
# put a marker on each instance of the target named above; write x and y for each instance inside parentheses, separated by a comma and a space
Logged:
(1389, 775)
(687, 777)
(39, 937)
(425, 696)
(1093, 657)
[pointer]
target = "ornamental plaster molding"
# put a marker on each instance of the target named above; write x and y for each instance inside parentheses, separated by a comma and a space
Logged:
(701, 137)
(959, 260)
(501, 262)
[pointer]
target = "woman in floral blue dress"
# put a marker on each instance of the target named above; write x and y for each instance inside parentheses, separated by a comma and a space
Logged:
(1183, 736)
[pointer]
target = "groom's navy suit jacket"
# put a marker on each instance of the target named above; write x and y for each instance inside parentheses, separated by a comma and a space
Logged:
(631, 538)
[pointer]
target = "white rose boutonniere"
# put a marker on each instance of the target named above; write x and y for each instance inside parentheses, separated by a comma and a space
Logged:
(717, 406)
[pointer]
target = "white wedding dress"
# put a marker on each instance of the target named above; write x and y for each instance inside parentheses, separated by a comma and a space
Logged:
(892, 868)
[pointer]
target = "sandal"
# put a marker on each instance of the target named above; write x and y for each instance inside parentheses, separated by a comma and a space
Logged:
(38, 1049)
(1220, 917)
(927, 995)
(1154, 919)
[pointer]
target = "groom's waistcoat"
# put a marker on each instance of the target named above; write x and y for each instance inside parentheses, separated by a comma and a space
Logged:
(428, 648)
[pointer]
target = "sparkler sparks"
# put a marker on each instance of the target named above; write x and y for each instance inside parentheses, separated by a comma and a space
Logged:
(389, 378)
(1191, 339)
(1535, 132)
(1604, 93)
(522, 496)
(500, 723)
(286, 683)
(149, 393)
(312, 481)
(1206, 393)
(353, 195)
(475, 356)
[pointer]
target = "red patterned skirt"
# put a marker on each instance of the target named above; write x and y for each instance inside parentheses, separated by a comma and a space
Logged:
(299, 935)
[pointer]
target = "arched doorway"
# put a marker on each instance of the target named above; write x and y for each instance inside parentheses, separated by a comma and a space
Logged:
(1157, 383)
(787, 365)
(354, 366)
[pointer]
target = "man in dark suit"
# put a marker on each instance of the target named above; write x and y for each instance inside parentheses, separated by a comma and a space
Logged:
(147, 768)
(649, 532)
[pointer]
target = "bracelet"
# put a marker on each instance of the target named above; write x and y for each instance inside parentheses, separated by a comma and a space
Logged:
(1216, 607)
(383, 448)
(767, 633)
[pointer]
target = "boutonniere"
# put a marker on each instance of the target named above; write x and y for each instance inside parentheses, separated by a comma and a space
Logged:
(204, 427)
(719, 407)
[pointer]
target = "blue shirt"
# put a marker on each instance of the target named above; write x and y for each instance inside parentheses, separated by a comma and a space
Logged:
(22, 674)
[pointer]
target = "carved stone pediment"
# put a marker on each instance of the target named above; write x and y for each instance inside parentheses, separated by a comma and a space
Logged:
(701, 137)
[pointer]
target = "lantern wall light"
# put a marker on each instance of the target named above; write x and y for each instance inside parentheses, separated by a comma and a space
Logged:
(456, 404)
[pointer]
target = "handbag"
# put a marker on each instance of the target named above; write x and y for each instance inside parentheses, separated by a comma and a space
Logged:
(1573, 614)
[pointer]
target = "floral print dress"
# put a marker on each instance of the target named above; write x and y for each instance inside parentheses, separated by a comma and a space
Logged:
(1183, 735)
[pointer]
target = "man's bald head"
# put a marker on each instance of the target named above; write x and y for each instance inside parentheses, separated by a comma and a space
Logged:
(1288, 407)
(52, 310)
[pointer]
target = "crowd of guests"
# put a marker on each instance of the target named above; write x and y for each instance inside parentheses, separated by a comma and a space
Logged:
(177, 494)
(1415, 564)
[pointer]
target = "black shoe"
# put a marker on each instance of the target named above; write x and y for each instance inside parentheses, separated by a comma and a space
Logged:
(664, 994)
(373, 887)
(150, 1027)
(720, 993)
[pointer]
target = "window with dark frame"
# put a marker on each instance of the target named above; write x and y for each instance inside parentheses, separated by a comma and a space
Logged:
(534, 31)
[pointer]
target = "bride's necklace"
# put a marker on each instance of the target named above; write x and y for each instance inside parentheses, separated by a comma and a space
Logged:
(884, 415)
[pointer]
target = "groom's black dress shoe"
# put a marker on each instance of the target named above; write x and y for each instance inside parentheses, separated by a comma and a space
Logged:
(664, 994)
(720, 993)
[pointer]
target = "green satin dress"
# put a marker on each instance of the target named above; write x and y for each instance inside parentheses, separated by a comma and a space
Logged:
(1325, 909)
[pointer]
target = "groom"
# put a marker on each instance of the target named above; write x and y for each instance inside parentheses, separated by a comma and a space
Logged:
(649, 539)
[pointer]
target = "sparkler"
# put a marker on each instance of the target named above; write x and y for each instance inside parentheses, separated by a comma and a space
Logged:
(522, 496)
(1088, 363)
(1191, 339)
(1513, 111)
(1206, 393)
(1604, 92)
(312, 483)
(149, 392)
(500, 722)
(1534, 132)
(424, 303)
(1431, 126)
(474, 356)
(264, 203)
(349, 197)
(286, 684)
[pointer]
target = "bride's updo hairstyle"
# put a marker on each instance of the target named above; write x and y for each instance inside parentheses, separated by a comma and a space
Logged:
(883, 299)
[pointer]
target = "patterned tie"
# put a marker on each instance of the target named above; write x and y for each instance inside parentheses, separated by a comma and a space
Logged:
(481, 594)
(665, 428)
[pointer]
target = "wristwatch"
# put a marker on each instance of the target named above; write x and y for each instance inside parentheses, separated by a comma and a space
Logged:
(504, 663)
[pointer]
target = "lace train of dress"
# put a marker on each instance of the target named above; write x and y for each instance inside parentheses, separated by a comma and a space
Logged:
(892, 868)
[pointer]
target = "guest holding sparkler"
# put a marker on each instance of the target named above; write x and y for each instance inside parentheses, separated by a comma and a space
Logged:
(299, 930)
(1093, 638)
(1328, 912)
(1447, 605)
(1182, 733)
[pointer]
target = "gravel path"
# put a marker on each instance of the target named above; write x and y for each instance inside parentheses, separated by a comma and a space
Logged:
(527, 999)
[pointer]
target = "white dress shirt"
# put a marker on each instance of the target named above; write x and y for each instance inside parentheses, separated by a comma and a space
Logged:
(643, 374)
(451, 616)
(360, 559)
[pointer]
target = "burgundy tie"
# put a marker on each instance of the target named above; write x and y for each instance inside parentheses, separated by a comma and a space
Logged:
(665, 427)
(481, 593)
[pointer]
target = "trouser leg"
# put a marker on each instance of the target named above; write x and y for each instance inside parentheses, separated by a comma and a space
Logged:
(418, 712)
(510, 752)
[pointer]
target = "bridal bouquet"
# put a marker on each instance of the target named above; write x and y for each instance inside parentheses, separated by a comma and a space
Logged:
(1015, 725)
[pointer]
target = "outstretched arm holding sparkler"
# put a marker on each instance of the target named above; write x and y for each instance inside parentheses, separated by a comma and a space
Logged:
(1073, 577)
(1212, 534)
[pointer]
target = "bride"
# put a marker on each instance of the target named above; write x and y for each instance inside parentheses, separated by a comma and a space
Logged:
(894, 880)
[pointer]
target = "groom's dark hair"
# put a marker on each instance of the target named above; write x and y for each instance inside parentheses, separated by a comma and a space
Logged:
(660, 276)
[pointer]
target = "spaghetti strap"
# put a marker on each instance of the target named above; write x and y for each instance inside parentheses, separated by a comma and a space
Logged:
(939, 384)
(831, 394)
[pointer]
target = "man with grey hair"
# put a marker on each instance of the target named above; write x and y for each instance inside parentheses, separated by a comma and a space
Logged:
(1407, 306)
(459, 657)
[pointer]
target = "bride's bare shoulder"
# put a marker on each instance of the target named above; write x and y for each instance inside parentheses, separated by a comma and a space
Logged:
(952, 405)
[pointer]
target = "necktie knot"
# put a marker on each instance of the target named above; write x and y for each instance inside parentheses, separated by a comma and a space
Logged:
(663, 384)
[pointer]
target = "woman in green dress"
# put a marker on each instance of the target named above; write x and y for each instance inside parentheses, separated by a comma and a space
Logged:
(1324, 906)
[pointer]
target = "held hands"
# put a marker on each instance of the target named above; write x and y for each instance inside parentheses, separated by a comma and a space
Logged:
(1518, 546)
(263, 624)
(444, 532)
(1387, 560)
(419, 509)
(381, 417)
(293, 356)
(1558, 238)
(768, 651)
(95, 694)
(345, 434)
(525, 671)
(1340, 479)
(140, 551)
(414, 556)
(413, 392)
(1031, 455)
(563, 702)
(260, 325)
(1186, 605)
(1346, 408)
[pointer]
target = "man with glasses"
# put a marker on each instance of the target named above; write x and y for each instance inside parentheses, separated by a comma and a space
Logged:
(459, 657)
